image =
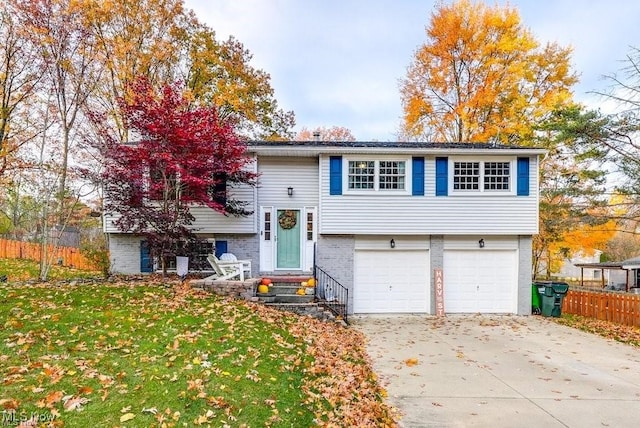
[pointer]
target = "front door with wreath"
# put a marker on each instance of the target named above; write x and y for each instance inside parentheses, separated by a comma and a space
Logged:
(288, 240)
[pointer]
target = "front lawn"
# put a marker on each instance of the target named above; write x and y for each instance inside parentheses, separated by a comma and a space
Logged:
(150, 355)
(618, 332)
(21, 269)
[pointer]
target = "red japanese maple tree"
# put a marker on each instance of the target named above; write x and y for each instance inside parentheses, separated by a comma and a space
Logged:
(185, 156)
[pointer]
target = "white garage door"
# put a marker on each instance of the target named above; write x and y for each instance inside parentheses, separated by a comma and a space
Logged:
(484, 281)
(391, 281)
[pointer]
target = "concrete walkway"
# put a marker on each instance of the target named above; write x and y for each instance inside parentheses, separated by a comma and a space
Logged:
(502, 371)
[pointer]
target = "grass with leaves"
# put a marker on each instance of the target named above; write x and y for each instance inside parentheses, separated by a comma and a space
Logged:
(147, 354)
(21, 270)
(618, 332)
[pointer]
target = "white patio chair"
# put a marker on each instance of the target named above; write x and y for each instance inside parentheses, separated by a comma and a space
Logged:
(232, 259)
(225, 270)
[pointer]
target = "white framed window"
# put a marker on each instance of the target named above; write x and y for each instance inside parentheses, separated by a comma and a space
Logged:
(362, 174)
(466, 175)
(372, 175)
(392, 175)
(497, 176)
(490, 176)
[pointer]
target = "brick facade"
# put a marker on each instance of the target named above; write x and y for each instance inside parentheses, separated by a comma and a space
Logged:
(124, 251)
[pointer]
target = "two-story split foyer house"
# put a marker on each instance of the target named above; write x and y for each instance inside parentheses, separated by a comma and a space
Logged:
(381, 219)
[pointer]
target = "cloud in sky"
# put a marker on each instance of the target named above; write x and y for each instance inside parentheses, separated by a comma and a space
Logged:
(339, 63)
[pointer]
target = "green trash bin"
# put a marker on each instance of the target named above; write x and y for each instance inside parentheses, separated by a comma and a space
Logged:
(552, 298)
(535, 299)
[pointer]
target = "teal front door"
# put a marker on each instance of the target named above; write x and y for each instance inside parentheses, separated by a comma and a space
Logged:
(288, 240)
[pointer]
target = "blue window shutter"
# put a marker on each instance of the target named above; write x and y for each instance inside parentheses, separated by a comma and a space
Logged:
(523, 177)
(146, 263)
(335, 175)
(221, 248)
(442, 179)
(417, 178)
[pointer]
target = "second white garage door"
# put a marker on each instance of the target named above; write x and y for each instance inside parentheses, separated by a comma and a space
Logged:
(484, 281)
(391, 281)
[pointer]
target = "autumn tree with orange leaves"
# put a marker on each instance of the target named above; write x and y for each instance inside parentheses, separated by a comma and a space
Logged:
(163, 41)
(481, 76)
(20, 75)
(63, 62)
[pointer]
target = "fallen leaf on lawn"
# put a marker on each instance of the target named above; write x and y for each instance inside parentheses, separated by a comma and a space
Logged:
(74, 403)
(127, 417)
(9, 403)
(85, 390)
(202, 419)
(151, 410)
(410, 362)
(54, 397)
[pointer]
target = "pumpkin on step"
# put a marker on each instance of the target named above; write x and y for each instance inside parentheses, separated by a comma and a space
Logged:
(263, 288)
(300, 292)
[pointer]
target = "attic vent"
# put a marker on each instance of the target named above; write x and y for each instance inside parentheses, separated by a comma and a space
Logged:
(316, 135)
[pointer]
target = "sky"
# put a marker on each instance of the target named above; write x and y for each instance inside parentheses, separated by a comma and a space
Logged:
(339, 62)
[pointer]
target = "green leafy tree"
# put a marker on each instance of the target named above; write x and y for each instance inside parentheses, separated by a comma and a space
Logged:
(573, 194)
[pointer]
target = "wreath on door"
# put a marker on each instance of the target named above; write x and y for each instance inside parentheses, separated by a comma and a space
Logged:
(287, 219)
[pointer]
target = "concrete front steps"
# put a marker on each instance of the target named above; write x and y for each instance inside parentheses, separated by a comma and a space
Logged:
(282, 295)
(284, 289)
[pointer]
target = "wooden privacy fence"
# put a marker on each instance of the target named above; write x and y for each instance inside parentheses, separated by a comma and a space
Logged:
(66, 256)
(620, 308)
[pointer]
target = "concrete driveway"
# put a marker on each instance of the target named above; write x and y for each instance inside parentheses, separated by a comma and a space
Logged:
(502, 371)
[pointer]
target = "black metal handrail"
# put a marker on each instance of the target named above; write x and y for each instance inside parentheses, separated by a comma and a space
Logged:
(330, 293)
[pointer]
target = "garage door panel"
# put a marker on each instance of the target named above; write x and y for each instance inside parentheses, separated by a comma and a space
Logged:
(480, 281)
(391, 281)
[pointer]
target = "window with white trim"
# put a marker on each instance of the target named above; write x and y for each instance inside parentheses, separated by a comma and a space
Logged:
(310, 226)
(497, 175)
(485, 176)
(466, 175)
(392, 175)
(377, 175)
(361, 174)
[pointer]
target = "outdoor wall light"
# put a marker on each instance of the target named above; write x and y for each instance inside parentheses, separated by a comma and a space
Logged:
(392, 243)
(481, 243)
(290, 191)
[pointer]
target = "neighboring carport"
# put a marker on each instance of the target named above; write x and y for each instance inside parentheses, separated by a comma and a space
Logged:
(629, 266)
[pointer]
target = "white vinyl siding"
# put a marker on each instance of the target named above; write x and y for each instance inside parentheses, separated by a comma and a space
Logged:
(210, 221)
(278, 174)
(494, 213)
